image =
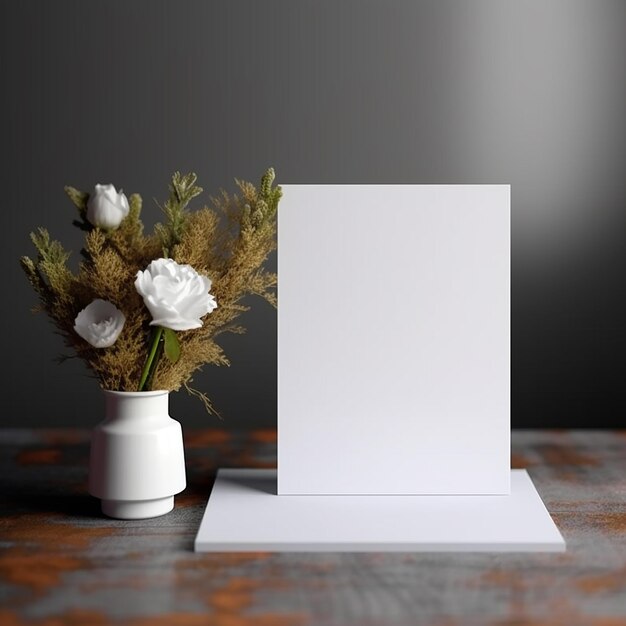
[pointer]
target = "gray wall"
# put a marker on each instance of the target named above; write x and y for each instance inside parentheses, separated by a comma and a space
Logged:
(530, 93)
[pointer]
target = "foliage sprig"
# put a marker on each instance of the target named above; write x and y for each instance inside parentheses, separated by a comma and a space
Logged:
(229, 242)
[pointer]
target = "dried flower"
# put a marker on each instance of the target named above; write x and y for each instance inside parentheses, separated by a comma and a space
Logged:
(100, 323)
(229, 240)
(106, 208)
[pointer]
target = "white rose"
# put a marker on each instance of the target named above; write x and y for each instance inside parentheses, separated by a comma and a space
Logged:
(100, 323)
(106, 208)
(176, 295)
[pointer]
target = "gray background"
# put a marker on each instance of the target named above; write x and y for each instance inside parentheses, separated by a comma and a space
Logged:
(527, 93)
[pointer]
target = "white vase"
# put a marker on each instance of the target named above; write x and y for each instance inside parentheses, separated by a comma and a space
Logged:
(137, 461)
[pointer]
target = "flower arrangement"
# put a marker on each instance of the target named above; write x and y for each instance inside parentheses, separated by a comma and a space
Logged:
(144, 310)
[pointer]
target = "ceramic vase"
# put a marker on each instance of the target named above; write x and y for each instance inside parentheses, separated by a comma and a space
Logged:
(137, 461)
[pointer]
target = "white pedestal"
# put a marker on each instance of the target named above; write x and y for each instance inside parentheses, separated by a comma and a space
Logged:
(244, 514)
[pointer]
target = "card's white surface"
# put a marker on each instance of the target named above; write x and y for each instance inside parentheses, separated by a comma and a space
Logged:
(393, 339)
(245, 514)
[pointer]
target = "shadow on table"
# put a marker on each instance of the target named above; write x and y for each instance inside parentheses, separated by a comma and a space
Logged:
(74, 505)
(263, 484)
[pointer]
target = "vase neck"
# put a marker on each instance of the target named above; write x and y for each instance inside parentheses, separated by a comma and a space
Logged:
(135, 405)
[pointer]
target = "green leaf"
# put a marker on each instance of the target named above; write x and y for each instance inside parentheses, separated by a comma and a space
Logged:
(172, 345)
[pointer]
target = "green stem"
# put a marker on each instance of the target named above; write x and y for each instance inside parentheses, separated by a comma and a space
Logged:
(153, 350)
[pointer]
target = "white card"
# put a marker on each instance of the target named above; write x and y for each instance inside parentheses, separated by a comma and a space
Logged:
(394, 339)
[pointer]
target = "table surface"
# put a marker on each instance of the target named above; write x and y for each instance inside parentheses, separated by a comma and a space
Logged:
(62, 563)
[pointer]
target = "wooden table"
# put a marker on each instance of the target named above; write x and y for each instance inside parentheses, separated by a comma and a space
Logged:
(62, 563)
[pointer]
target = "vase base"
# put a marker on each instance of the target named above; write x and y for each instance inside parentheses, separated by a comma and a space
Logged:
(137, 509)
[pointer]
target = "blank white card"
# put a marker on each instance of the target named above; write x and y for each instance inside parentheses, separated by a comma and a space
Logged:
(394, 339)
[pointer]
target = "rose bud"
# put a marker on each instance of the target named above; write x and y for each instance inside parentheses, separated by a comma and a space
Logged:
(106, 208)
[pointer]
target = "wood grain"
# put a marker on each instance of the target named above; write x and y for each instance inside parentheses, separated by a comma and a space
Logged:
(62, 563)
